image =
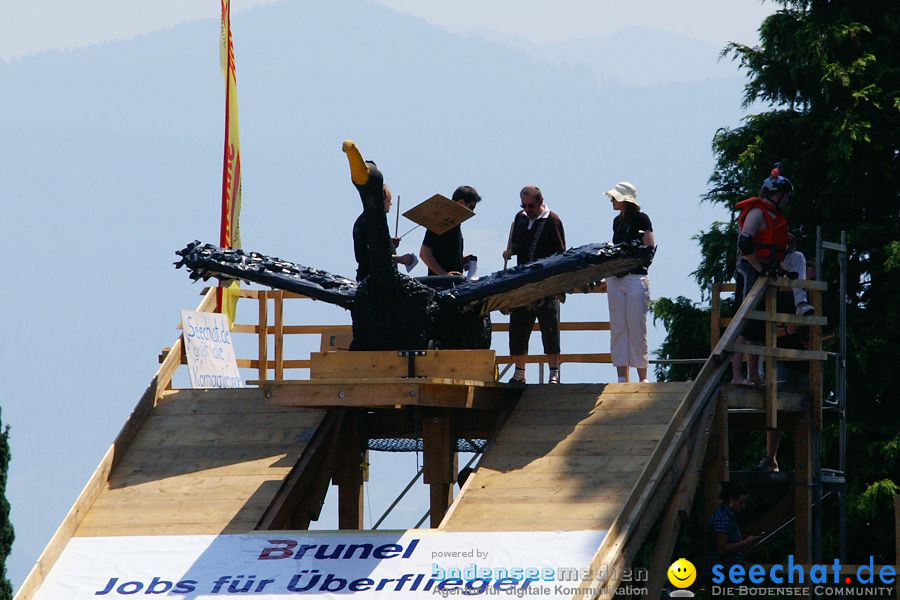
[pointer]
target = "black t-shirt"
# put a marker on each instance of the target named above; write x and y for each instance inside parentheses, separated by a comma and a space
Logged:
(447, 249)
(630, 230)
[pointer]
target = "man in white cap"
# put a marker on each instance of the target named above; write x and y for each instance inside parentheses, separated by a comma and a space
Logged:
(629, 295)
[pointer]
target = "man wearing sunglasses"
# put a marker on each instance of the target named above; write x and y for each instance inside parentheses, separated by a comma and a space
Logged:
(443, 254)
(536, 233)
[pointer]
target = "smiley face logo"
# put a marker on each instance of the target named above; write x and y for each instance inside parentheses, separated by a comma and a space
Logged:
(682, 573)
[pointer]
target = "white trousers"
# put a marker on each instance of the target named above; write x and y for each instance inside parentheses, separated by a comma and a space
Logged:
(795, 262)
(629, 300)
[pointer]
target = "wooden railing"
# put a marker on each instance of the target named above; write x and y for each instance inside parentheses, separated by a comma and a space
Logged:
(336, 337)
(769, 350)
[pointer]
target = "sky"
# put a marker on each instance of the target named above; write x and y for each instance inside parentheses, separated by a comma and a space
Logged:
(38, 25)
(39, 35)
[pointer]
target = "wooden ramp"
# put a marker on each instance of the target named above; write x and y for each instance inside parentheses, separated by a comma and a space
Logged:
(203, 462)
(568, 458)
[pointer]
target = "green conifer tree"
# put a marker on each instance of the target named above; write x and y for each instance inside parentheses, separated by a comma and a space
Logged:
(6, 529)
(827, 76)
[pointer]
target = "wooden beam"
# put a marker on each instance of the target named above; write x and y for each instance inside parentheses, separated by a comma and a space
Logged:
(670, 457)
(716, 464)
(759, 315)
(297, 501)
(779, 352)
(740, 397)
(756, 421)
(391, 392)
(263, 341)
(279, 335)
(803, 489)
(771, 367)
(679, 508)
(807, 284)
(736, 324)
(351, 470)
(630, 529)
(475, 365)
(439, 461)
(715, 314)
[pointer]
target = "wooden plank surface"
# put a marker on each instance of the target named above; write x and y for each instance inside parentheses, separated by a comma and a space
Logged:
(113, 457)
(203, 462)
(567, 458)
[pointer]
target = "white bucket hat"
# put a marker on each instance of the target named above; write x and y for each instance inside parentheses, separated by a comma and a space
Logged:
(624, 192)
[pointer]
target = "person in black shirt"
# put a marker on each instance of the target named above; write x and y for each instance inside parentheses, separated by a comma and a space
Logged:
(361, 244)
(629, 295)
(443, 254)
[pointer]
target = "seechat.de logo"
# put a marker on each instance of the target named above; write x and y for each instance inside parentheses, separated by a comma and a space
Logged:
(682, 574)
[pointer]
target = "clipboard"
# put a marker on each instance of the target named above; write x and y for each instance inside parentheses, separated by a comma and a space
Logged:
(439, 214)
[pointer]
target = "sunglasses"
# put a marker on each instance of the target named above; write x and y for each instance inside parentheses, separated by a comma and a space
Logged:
(529, 206)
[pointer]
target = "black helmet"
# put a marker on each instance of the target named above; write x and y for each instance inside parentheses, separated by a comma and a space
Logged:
(776, 183)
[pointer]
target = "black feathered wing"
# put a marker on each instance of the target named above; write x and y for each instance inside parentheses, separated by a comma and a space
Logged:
(205, 261)
(573, 270)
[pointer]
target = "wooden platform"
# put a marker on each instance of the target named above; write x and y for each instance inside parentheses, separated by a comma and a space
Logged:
(204, 462)
(567, 459)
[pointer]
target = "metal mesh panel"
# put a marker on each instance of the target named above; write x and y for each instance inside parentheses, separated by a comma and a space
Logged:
(415, 445)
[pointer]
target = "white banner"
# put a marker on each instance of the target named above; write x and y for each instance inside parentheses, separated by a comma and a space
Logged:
(209, 349)
(277, 565)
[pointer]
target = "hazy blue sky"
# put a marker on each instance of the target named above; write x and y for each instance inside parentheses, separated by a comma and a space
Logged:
(52, 24)
(112, 160)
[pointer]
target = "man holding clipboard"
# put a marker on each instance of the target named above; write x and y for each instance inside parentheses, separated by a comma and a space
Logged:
(443, 253)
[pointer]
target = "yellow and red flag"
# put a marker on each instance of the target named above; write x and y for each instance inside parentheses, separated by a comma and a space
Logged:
(230, 232)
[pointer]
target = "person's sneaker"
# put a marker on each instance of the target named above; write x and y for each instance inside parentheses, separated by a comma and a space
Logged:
(554, 378)
(804, 309)
(516, 381)
(766, 465)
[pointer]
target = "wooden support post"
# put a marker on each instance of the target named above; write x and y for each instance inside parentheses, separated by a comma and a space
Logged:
(771, 368)
(263, 333)
(803, 489)
(440, 461)
(815, 366)
(279, 335)
(351, 471)
(679, 508)
(304, 489)
(715, 465)
(715, 314)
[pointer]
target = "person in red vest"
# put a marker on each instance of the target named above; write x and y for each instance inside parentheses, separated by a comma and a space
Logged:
(762, 245)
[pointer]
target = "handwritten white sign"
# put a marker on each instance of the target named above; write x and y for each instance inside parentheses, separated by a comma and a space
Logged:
(209, 349)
